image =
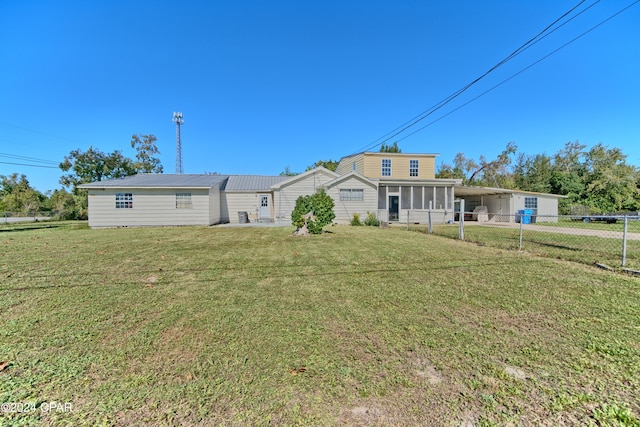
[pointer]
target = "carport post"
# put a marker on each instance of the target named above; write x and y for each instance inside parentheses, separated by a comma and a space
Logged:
(461, 221)
(624, 241)
(430, 227)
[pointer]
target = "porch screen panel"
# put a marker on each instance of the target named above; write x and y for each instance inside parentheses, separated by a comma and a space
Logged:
(428, 197)
(405, 197)
(417, 197)
(440, 198)
(382, 197)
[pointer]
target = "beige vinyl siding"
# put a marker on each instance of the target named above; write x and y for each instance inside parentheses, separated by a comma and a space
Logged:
(372, 165)
(214, 205)
(547, 205)
(284, 198)
(224, 208)
(346, 165)
(241, 202)
(151, 207)
(344, 210)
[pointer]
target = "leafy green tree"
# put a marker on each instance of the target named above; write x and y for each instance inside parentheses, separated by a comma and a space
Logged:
(461, 168)
(393, 148)
(91, 166)
(332, 165)
(611, 184)
(94, 165)
(568, 175)
(490, 173)
(288, 172)
(17, 195)
(312, 212)
(146, 152)
(63, 204)
(570, 158)
(533, 173)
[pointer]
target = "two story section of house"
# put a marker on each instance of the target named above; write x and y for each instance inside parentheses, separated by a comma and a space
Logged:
(407, 186)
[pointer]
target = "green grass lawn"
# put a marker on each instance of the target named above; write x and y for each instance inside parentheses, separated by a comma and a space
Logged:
(633, 225)
(584, 249)
(361, 326)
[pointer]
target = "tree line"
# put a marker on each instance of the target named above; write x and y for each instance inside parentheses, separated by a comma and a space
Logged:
(79, 167)
(599, 177)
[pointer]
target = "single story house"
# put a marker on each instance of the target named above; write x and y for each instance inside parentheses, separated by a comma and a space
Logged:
(396, 187)
(187, 199)
(155, 200)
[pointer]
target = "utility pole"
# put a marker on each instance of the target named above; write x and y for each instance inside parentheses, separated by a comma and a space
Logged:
(177, 119)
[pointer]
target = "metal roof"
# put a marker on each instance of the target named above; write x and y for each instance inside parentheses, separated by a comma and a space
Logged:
(468, 190)
(252, 182)
(159, 180)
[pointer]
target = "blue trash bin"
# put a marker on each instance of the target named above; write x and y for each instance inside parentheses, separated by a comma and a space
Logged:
(526, 216)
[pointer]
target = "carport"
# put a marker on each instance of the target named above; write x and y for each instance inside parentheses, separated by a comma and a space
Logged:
(501, 204)
(497, 203)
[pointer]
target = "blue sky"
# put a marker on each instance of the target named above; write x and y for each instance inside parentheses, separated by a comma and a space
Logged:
(266, 85)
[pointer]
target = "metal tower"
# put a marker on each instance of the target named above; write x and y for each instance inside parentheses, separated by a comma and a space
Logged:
(177, 119)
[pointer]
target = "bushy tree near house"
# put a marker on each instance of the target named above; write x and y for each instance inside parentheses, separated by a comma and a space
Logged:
(146, 152)
(288, 172)
(93, 165)
(392, 148)
(17, 195)
(312, 213)
(332, 165)
(63, 204)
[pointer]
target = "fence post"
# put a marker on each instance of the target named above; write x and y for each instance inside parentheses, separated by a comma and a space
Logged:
(624, 241)
(461, 221)
(430, 227)
(520, 239)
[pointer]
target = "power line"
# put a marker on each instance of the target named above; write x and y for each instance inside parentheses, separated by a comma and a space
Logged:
(521, 71)
(31, 159)
(541, 35)
(38, 132)
(33, 166)
(442, 103)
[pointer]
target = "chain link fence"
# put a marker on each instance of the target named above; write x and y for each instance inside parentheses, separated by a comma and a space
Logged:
(12, 217)
(609, 241)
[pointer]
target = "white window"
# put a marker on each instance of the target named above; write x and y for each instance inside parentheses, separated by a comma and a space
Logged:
(351, 194)
(531, 203)
(413, 167)
(386, 167)
(124, 200)
(183, 201)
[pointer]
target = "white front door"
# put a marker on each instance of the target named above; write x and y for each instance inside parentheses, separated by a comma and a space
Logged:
(264, 209)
